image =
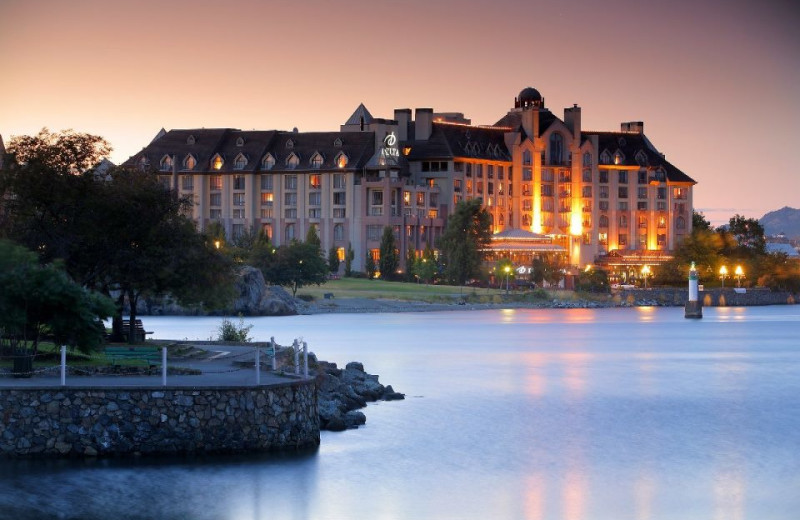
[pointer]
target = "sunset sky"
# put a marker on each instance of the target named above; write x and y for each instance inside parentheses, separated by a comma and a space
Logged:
(717, 82)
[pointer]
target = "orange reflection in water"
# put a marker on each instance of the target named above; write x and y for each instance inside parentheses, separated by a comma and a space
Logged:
(535, 378)
(644, 491)
(534, 496)
(646, 313)
(574, 378)
(574, 495)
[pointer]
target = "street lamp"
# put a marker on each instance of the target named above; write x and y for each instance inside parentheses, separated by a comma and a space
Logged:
(645, 274)
(723, 273)
(507, 269)
(739, 273)
(216, 244)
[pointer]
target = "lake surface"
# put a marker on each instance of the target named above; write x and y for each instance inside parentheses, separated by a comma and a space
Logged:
(518, 414)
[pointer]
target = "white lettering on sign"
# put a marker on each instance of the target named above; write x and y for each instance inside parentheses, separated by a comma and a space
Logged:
(389, 150)
(524, 270)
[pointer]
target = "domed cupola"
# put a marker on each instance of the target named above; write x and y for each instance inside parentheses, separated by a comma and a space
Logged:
(529, 98)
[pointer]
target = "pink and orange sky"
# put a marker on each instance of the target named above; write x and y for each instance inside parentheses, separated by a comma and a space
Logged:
(716, 82)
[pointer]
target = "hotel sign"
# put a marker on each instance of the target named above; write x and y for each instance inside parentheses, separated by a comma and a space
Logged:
(390, 154)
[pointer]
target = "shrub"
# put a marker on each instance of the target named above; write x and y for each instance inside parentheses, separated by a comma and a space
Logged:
(229, 331)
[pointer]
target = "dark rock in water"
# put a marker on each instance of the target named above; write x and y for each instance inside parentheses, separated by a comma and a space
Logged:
(256, 298)
(342, 392)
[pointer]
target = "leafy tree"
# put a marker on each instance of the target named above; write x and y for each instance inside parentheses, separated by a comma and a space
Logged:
(464, 241)
(41, 300)
(593, 280)
(333, 260)
(553, 270)
(348, 260)
(297, 265)
(699, 222)
(427, 266)
(390, 258)
(749, 234)
(369, 266)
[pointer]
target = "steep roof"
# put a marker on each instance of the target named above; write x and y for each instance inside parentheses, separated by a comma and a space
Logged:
(513, 120)
(451, 140)
(633, 144)
(361, 112)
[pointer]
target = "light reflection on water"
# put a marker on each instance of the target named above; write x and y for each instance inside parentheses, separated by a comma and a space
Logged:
(537, 414)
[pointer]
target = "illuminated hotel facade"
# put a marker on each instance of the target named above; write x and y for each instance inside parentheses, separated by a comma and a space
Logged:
(550, 186)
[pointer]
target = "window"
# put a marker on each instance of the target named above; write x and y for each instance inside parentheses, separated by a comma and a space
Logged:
(661, 206)
(680, 223)
(661, 239)
(338, 231)
(469, 170)
(268, 162)
(289, 232)
(240, 162)
(623, 177)
(240, 141)
(556, 148)
(215, 199)
(641, 205)
(603, 205)
(374, 232)
(500, 173)
(338, 181)
(642, 177)
(217, 162)
(490, 188)
(623, 239)
(266, 182)
(623, 221)
(314, 212)
(526, 158)
(602, 239)
(215, 182)
(215, 214)
(526, 205)
(420, 198)
(642, 240)
(622, 192)
(238, 182)
(144, 164)
(189, 162)
(622, 206)
(290, 213)
(341, 160)
(187, 182)
(291, 182)
(586, 192)
(564, 176)
(661, 193)
(642, 222)
(166, 163)
(339, 213)
(316, 161)
(479, 171)
(290, 199)
(642, 193)
(480, 188)
(587, 159)
(662, 221)
(547, 190)
(266, 212)
(605, 157)
(292, 161)
(603, 176)
(587, 175)
(377, 198)
(238, 213)
(267, 198)
(339, 198)
(490, 172)
(315, 181)
(603, 192)
(680, 193)
(527, 174)
(315, 198)
(238, 199)
(190, 140)
(457, 185)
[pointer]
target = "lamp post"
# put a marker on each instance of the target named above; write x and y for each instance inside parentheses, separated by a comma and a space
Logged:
(645, 274)
(739, 273)
(723, 273)
(507, 269)
(216, 244)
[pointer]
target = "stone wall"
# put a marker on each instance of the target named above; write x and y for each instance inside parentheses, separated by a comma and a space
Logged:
(90, 421)
(710, 298)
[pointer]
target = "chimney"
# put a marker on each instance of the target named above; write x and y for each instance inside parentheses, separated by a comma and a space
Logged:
(423, 125)
(572, 118)
(633, 126)
(403, 117)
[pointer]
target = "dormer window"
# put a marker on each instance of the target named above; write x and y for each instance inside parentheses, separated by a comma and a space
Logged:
(189, 162)
(292, 161)
(337, 143)
(240, 141)
(641, 158)
(217, 162)
(240, 162)
(341, 160)
(587, 159)
(605, 157)
(289, 144)
(190, 140)
(621, 141)
(619, 158)
(316, 160)
(166, 163)
(268, 162)
(144, 164)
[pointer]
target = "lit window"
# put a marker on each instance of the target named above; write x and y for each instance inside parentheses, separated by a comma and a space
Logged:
(215, 182)
(189, 162)
(341, 160)
(217, 162)
(315, 181)
(267, 198)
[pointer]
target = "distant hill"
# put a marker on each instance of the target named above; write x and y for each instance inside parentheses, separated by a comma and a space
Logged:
(785, 220)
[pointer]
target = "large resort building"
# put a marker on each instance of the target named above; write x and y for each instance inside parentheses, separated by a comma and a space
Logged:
(551, 187)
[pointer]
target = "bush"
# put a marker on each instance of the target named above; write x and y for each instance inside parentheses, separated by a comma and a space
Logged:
(229, 331)
(540, 294)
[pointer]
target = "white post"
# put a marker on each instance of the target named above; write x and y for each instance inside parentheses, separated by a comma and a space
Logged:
(274, 354)
(163, 366)
(258, 366)
(305, 359)
(296, 358)
(63, 365)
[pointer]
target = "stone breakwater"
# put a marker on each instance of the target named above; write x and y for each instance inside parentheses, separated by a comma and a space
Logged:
(78, 422)
(343, 392)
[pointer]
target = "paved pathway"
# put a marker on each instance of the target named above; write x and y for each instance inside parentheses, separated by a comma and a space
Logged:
(219, 369)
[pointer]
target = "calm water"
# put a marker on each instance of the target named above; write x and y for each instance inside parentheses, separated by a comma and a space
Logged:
(543, 414)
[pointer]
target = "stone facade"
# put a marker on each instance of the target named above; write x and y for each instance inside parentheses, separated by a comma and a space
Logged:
(709, 298)
(76, 422)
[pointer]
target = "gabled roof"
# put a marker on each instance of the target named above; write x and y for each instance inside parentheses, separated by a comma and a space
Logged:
(361, 112)
(450, 140)
(357, 146)
(629, 144)
(513, 120)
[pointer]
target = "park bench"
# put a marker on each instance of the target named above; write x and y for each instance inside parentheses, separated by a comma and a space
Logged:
(150, 355)
(139, 332)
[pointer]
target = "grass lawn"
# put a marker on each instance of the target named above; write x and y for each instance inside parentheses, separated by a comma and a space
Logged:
(363, 288)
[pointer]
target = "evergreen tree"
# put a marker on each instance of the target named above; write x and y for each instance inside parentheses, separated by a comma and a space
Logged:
(464, 241)
(348, 260)
(369, 265)
(390, 259)
(333, 260)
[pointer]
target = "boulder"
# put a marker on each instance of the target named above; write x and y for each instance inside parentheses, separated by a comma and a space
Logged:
(354, 419)
(256, 298)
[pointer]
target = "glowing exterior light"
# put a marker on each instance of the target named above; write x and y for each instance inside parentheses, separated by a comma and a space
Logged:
(576, 226)
(216, 244)
(723, 273)
(645, 273)
(739, 274)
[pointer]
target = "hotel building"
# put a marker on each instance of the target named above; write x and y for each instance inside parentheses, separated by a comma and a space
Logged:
(550, 186)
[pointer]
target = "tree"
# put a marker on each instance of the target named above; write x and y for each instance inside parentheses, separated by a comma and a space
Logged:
(749, 235)
(464, 241)
(312, 238)
(369, 265)
(348, 260)
(411, 265)
(297, 265)
(504, 272)
(39, 301)
(427, 266)
(333, 260)
(390, 258)
(593, 280)
(699, 222)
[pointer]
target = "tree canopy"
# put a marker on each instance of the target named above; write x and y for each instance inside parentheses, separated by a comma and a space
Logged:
(390, 257)
(464, 241)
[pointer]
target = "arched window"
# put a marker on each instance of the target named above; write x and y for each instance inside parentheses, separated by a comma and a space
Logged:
(289, 232)
(166, 163)
(587, 159)
(603, 221)
(341, 160)
(144, 164)
(240, 162)
(240, 141)
(641, 158)
(217, 162)
(556, 148)
(526, 158)
(289, 144)
(316, 161)
(680, 223)
(338, 232)
(189, 162)
(292, 161)
(268, 162)
(190, 140)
